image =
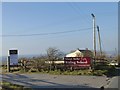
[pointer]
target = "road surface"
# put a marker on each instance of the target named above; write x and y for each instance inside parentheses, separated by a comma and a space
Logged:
(58, 81)
(37, 80)
(114, 82)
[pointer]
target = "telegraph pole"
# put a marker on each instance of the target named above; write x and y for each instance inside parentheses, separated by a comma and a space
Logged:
(94, 35)
(94, 39)
(99, 40)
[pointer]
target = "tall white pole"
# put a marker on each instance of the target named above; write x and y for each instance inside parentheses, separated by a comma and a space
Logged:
(94, 35)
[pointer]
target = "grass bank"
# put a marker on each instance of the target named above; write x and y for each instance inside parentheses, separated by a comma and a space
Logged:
(9, 86)
(98, 71)
(75, 72)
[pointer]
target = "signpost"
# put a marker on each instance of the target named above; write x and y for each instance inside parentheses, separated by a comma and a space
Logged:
(13, 53)
(84, 62)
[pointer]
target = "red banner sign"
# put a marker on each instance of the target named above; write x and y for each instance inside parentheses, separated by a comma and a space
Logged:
(77, 61)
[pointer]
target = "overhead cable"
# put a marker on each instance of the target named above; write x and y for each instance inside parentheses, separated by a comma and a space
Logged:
(41, 34)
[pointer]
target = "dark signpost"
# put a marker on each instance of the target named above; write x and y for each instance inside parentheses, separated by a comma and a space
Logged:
(12, 60)
(13, 56)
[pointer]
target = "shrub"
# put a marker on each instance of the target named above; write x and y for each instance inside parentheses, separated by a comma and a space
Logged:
(66, 72)
(79, 73)
(111, 71)
(98, 72)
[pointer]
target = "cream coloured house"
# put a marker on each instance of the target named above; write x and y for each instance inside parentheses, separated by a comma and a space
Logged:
(76, 53)
(80, 53)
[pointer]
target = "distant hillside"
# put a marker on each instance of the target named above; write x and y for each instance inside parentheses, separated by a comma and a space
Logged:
(4, 58)
(111, 53)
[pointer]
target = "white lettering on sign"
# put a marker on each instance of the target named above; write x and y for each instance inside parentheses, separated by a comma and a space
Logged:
(70, 62)
(82, 62)
(77, 61)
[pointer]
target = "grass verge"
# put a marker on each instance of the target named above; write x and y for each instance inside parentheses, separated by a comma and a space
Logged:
(9, 86)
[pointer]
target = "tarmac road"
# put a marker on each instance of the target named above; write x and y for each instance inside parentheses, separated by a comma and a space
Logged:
(36, 80)
(114, 82)
(56, 81)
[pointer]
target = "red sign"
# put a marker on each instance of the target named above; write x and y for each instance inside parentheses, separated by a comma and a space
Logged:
(77, 61)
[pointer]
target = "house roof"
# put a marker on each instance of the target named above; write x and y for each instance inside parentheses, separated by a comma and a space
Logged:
(80, 53)
(86, 53)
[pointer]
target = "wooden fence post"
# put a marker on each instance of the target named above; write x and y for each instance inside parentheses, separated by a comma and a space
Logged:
(8, 64)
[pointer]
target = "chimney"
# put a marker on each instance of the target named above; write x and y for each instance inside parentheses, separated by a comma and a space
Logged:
(86, 48)
(78, 49)
(86, 53)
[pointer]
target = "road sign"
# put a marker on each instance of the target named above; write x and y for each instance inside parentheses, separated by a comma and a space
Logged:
(77, 61)
(13, 56)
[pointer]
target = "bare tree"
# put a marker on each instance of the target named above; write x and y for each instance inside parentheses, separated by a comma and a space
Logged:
(39, 62)
(54, 54)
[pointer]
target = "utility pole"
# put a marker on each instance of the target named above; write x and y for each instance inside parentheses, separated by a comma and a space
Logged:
(94, 35)
(116, 53)
(94, 38)
(99, 40)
